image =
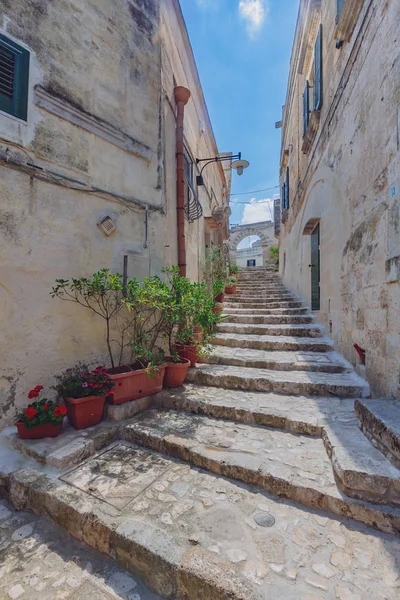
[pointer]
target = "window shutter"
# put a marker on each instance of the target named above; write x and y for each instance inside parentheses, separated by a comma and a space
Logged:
(306, 108)
(339, 8)
(287, 187)
(318, 70)
(14, 78)
(283, 197)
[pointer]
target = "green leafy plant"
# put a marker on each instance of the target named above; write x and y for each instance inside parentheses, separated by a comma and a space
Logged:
(219, 287)
(232, 281)
(41, 412)
(80, 382)
(234, 269)
(274, 256)
(215, 268)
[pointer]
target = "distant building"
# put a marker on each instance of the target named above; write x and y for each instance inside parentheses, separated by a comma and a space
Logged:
(340, 179)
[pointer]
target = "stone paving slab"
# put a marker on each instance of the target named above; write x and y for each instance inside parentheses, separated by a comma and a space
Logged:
(380, 421)
(285, 464)
(261, 304)
(201, 539)
(40, 561)
(69, 448)
(267, 319)
(278, 360)
(310, 330)
(266, 311)
(280, 382)
(272, 342)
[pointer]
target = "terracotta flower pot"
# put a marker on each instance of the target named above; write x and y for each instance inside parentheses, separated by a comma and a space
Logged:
(38, 432)
(217, 309)
(85, 412)
(231, 289)
(175, 373)
(136, 384)
(188, 351)
(220, 297)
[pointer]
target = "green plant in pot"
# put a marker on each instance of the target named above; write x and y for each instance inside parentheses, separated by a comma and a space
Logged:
(218, 290)
(231, 286)
(84, 392)
(41, 418)
(234, 270)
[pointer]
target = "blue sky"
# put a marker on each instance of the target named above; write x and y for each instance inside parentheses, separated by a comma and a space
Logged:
(242, 50)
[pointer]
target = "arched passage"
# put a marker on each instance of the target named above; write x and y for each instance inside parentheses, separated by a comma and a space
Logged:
(264, 230)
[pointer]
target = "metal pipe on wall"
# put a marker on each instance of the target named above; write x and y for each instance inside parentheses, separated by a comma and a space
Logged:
(182, 96)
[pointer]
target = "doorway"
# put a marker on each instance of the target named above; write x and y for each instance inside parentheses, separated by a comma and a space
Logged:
(315, 269)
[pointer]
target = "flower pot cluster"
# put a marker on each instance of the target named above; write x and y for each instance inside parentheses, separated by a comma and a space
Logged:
(41, 418)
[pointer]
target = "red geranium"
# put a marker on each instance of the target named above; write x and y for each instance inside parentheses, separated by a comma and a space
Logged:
(33, 394)
(30, 412)
(60, 411)
(38, 388)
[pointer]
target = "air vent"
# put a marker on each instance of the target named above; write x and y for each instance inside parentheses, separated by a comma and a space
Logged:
(7, 72)
(107, 225)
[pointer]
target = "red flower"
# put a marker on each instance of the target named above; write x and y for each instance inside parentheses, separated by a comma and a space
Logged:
(60, 411)
(45, 406)
(38, 388)
(33, 394)
(30, 412)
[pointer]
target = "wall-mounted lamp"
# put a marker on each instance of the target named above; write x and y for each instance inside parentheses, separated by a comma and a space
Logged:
(239, 165)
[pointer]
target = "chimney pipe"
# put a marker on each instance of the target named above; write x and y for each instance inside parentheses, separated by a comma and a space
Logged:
(182, 96)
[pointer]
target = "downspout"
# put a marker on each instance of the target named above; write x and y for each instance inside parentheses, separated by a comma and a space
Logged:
(182, 96)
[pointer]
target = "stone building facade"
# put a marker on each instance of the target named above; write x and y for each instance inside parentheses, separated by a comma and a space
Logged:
(340, 179)
(88, 130)
(263, 229)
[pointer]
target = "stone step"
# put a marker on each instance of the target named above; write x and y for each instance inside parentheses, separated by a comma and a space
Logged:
(348, 385)
(268, 329)
(328, 362)
(273, 342)
(263, 296)
(265, 319)
(266, 311)
(380, 421)
(262, 304)
(282, 463)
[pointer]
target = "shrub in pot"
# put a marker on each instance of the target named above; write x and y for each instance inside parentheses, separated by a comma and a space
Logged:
(84, 393)
(218, 290)
(234, 270)
(176, 369)
(41, 418)
(231, 287)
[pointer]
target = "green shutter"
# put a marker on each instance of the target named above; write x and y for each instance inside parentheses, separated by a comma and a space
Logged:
(339, 8)
(283, 197)
(287, 188)
(306, 107)
(315, 270)
(14, 78)
(318, 70)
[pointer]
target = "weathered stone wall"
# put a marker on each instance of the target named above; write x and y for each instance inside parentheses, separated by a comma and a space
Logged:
(350, 182)
(98, 114)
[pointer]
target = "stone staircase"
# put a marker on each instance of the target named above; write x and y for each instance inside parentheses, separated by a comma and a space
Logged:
(216, 491)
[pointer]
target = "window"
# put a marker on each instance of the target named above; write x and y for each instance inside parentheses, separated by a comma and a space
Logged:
(306, 107)
(283, 196)
(339, 8)
(318, 70)
(193, 208)
(287, 188)
(251, 262)
(14, 78)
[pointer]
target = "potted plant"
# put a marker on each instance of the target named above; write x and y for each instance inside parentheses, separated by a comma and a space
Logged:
(231, 287)
(84, 393)
(176, 369)
(234, 270)
(41, 418)
(218, 290)
(132, 315)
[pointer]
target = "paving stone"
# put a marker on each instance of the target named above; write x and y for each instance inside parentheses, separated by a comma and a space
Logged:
(281, 382)
(273, 342)
(266, 311)
(309, 330)
(265, 319)
(380, 420)
(296, 467)
(58, 567)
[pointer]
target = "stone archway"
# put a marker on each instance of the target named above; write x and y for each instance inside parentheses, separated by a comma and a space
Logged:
(264, 230)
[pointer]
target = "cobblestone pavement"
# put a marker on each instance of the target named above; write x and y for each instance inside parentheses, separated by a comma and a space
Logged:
(39, 561)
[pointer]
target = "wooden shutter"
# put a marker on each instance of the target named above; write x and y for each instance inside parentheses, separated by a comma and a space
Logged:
(339, 8)
(283, 197)
(315, 270)
(287, 188)
(318, 70)
(306, 108)
(14, 78)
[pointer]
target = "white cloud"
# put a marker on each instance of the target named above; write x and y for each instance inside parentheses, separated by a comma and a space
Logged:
(254, 12)
(258, 210)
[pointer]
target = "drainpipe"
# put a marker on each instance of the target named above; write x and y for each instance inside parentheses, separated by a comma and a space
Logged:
(182, 96)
